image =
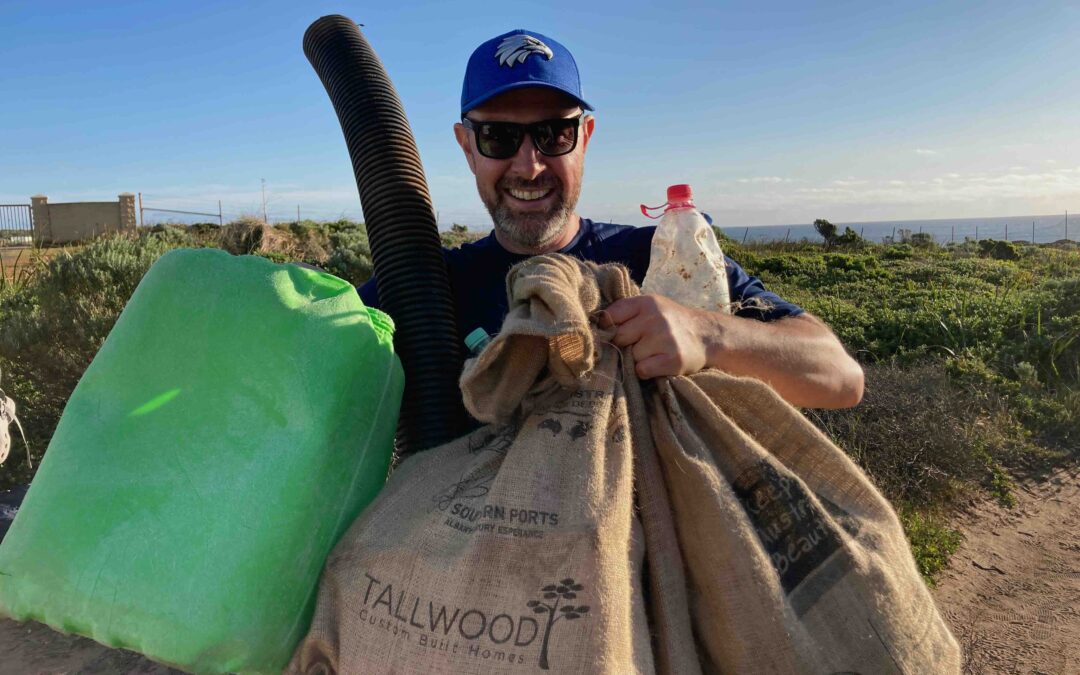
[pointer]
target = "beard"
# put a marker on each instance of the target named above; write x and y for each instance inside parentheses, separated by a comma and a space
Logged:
(531, 229)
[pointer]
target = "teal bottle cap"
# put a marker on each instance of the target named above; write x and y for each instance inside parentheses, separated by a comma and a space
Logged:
(476, 340)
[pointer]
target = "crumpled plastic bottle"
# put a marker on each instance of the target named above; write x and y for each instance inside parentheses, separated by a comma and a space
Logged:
(686, 263)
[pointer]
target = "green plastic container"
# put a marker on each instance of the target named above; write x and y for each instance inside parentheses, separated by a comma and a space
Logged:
(236, 421)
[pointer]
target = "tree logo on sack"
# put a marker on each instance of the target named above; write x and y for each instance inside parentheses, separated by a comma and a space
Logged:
(564, 590)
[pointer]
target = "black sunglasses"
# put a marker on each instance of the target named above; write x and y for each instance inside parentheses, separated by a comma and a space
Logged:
(501, 140)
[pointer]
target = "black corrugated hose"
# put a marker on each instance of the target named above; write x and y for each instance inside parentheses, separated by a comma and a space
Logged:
(414, 288)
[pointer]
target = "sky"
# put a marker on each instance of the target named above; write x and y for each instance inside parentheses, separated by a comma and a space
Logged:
(776, 113)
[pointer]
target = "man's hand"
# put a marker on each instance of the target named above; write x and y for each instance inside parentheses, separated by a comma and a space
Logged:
(665, 337)
(798, 356)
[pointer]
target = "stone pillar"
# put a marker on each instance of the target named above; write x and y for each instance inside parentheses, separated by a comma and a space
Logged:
(127, 212)
(39, 211)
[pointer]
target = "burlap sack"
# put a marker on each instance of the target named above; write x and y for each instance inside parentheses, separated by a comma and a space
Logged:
(516, 548)
(796, 562)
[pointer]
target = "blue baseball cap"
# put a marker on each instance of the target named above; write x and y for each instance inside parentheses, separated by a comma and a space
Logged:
(520, 58)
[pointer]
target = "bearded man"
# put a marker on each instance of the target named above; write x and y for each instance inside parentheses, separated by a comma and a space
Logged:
(524, 131)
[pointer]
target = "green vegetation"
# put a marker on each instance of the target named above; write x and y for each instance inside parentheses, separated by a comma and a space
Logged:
(971, 352)
(972, 359)
(932, 540)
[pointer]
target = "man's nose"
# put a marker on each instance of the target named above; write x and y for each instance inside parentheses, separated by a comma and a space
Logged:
(527, 161)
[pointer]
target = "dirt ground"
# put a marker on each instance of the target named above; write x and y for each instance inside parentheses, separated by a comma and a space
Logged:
(1011, 594)
(31, 648)
(1012, 591)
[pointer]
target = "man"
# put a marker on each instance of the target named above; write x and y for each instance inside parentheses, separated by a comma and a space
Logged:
(524, 131)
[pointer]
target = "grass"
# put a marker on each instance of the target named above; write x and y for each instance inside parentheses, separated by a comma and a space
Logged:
(972, 358)
(971, 352)
(17, 268)
(932, 540)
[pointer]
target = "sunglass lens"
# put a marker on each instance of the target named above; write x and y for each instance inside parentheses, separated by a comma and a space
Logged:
(556, 137)
(498, 141)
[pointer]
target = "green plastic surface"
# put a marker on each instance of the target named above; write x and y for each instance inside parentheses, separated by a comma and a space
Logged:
(238, 418)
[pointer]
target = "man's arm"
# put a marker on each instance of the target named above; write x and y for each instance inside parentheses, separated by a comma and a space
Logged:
(798, 356)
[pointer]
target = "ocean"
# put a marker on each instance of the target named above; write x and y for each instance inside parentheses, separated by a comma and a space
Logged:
(1047, 229)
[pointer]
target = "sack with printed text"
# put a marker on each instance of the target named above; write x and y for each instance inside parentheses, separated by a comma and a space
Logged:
(796, 563)
(516, 549)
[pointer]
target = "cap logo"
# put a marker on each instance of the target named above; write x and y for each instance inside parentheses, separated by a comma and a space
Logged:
(516, 48)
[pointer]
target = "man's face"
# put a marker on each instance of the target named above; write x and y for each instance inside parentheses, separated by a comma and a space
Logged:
(531, 197)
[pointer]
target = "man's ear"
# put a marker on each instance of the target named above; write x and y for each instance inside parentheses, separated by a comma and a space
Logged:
(587, 126)
(464, 139)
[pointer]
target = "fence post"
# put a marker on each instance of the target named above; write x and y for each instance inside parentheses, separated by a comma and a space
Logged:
(127, 212)
(219, 219)
(39, 211)
(140, 211)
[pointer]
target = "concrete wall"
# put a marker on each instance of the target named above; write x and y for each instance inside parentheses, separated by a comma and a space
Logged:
(75, 221)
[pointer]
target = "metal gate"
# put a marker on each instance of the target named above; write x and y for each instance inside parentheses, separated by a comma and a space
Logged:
(16, 224)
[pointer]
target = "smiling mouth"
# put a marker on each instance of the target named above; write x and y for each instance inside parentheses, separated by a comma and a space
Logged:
(529, 195)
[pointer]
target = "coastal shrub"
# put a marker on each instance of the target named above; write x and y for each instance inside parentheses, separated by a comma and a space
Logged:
(925, 439)
(251, 236)
(849, 239)
(932, 540)
(999, 250)
(788, 265)
(850, 263)
(174, 236)
(922, 240)
(350, 253)
(898, 252)
(458, 235)
(826, 229)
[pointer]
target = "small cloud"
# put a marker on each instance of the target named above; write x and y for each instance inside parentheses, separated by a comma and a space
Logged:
(925, 151)
(763, 179)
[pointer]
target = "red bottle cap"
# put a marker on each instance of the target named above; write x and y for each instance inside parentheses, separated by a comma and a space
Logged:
(680, 195)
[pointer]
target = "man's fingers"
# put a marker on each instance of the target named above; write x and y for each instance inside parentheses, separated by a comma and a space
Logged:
(625, 309)
(657, 365)
(630, 332)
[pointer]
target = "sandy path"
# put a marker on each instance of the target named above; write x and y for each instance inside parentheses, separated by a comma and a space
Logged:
(1012, 591)
(31, 648)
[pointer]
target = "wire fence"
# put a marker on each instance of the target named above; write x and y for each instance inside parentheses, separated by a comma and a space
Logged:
(1037, 229)
(160, 210)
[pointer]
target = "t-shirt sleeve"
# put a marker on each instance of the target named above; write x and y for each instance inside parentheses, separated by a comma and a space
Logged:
(369, 293)
(755, 302)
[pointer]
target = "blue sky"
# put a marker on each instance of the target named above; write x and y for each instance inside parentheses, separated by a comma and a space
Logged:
(774, 112)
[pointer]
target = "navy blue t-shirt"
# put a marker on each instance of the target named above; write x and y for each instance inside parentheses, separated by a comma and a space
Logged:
(478, 274)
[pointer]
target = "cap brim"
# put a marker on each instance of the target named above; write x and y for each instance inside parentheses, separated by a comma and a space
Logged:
(480, 100)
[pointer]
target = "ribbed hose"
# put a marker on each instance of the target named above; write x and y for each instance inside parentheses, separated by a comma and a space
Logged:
(413, 285)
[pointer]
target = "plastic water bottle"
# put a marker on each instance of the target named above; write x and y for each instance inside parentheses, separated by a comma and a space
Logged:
(476, 341)
(686, 263)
